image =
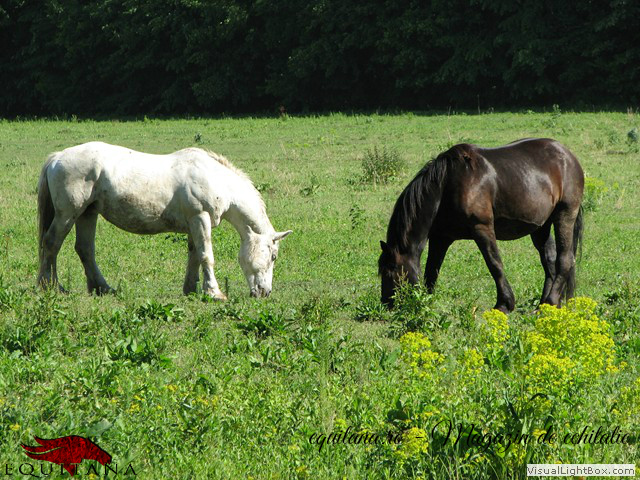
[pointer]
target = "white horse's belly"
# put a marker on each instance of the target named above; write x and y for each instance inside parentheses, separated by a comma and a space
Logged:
(129, 217)
(143, 208)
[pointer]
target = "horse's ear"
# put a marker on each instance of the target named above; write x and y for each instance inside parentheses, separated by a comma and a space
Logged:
(470, 160)
(280, 235)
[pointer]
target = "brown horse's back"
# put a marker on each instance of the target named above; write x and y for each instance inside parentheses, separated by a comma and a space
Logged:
(517, 186)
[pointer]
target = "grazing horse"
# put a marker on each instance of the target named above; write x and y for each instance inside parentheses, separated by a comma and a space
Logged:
(189, 191)
(489, 194)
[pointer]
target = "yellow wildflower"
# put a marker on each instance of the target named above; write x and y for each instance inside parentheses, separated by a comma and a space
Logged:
(537, 433)
(496, 329)
(629, 400)
(417, 353)
(414, 442)
(471, 365)
(340, 424)
(472, 361)
(302, 471)
(569, 344)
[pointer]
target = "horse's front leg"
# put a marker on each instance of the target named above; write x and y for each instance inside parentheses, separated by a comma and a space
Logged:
(438, 247)
(193, 269)
(485, 238)
(200, 227)
(86, 250)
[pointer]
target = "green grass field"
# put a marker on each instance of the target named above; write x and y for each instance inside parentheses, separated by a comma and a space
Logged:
(180, 387)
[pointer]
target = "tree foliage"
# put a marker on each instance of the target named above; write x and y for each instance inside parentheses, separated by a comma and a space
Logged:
(209, 56)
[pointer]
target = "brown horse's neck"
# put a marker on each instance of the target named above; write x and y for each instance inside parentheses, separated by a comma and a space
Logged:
(416, 209)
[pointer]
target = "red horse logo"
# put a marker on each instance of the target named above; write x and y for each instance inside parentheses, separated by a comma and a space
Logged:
(67, 451)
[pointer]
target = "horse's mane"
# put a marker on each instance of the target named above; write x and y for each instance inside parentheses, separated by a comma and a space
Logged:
(427, 183)
(224, 161)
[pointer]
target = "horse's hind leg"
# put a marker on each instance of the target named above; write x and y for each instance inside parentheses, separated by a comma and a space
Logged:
(546, 246)
(51, 244)
(200, 227)
(86, 250)
(563, 223)
(485, 238)
(193, 269)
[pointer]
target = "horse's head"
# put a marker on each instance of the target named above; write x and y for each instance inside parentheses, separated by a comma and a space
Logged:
(395, 268)
(258, 253)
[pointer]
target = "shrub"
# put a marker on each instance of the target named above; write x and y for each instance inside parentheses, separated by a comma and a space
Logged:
(147, 348)
(263, 325)
(369, 309)
(153, 310)
(413, 309)
(312, 188)
(496, 329)
(633, 139)
(356, 215)
(628, 405)
(414, 444)
(381, 165)
(418, 355)
(569, 345)
(594, 191)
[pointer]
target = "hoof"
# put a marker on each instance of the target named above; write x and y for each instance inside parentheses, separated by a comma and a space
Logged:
(504, 309)
(52, 285)
(106, 290)
(219, 296)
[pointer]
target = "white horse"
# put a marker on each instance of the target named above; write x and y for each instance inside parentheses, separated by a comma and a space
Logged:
(188, 191)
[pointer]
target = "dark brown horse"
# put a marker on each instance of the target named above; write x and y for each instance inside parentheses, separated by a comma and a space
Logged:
(489, 194)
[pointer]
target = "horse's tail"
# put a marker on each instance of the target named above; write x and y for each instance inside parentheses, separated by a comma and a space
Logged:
(578, 228)
(46, 211)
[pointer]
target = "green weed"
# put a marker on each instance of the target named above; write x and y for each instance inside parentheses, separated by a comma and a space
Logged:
(263, 325)
(312, 188)
(380, 165)
(595, 191)
(152, 310)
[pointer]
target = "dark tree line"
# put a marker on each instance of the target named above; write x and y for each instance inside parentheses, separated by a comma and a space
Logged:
(209, 56)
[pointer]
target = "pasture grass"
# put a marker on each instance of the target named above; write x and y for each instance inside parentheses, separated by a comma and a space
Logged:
(181, 387)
